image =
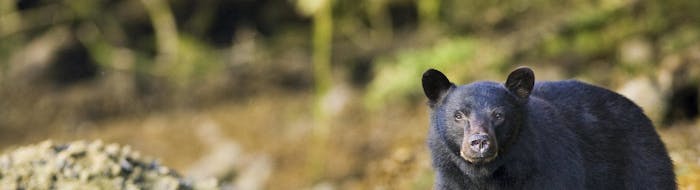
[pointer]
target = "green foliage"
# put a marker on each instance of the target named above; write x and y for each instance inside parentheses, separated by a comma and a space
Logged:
(83, 8)
(401, 74)
(680, 38)
(195, 60)
(428, 11)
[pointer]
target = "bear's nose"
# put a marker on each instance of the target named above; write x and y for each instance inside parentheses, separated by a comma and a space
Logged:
(479, 143)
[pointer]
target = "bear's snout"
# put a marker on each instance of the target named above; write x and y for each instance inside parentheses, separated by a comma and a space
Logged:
(479, 143)
(478, 148)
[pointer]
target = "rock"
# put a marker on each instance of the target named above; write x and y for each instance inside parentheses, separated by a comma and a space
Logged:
(87, 165)
(636, 51)
(645, 94)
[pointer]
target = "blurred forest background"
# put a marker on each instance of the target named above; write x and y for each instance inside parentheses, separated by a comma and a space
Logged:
(321, 94)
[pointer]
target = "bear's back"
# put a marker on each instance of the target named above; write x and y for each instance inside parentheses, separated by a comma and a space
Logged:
(592, 108)
(573, 95)
(617, 140)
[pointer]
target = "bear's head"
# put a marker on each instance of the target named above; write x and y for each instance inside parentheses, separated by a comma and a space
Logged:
(480, 120)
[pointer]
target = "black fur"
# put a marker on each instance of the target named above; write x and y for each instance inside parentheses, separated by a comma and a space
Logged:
(435, 85)
(550, 135)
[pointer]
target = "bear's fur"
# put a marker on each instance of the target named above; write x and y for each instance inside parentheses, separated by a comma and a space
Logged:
(545, 135)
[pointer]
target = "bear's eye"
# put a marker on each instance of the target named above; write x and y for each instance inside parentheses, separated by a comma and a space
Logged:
(459, 116)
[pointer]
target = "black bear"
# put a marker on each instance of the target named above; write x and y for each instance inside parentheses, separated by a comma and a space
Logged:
(544, 135)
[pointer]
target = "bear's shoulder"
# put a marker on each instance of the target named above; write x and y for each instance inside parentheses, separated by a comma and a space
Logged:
(564, 87)
(577, 94)
(583, 104)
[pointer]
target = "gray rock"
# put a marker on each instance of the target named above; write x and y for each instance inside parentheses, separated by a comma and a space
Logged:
(88, 165)
(644, 93)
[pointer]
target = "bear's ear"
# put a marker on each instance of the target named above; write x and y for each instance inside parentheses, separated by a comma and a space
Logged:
(521, 81)
(435, 85)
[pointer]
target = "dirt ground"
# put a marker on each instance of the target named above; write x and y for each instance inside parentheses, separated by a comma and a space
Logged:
(267, 142)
